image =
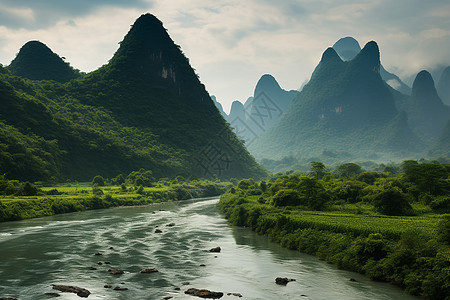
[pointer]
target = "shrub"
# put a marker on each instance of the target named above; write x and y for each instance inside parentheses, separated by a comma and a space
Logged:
(27, 189)
(286, 197)
(441, 204)
(444, 229)
(392, 201)
(98, 180)
(118, 180)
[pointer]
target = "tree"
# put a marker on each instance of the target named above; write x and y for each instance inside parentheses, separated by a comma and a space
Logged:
(317, 169)
(286, 197)
(312, 192)
(429, 178)
(142, 177)
(392, 201)
(444, 229)
(246, 183)
(28, 189)
(348, 170)
(118, 180)
(98, 180)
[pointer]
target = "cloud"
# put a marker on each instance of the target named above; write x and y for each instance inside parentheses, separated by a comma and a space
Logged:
(232, 43)
(87, 42)
(31, 14)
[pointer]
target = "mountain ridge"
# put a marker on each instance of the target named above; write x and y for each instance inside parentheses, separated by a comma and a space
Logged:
(154, 111)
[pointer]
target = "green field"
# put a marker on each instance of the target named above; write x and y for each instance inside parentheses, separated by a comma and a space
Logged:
(71, 197)
(410, 249)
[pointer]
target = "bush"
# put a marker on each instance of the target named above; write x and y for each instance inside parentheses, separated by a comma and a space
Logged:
(441, 204)
(118, 180)
(96, 190)
(444, 229)
(27, 189)
(142, 177)
(392, 201)
(286, 197)
(98, 180)
(246, 183)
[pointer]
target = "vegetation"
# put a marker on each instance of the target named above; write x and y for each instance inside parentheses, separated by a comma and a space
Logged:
(386, 226)
(23, 200)
(347, 112)
(146, 109)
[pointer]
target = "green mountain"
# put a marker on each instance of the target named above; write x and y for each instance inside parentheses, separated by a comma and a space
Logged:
(218, 105)
(37, 62)
(146, 108)
(443, 86)
(426, 113)
(442, 146)
(348, 48)
(261, 111)
(345, 107)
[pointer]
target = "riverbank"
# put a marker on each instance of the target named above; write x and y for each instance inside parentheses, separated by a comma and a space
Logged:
(405, 251)
(60, 250)
(73, 197)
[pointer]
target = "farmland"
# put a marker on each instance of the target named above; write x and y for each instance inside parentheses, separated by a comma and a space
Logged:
(390, 229)
(72, 197)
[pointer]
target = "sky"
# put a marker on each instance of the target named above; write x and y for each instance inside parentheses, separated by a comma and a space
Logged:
(232, 43)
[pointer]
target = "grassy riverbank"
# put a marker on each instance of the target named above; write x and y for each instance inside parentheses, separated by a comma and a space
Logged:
(72, 197)
(410, 250)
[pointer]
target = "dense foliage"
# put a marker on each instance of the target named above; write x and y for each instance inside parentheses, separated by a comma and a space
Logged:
(23, 200)
(386, 226)
(37, 62)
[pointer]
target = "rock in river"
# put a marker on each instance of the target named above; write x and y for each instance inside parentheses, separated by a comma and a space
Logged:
(283, 280)
(149, 270)
(204, 293)
(217, 250)
(116, 271)
(72, 289)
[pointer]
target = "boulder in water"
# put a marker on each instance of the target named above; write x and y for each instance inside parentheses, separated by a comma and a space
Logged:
(235, 294)
(72, 289)
(204, 293)
(216, 249)
(116, 271)
(149, 270)
(283, 280)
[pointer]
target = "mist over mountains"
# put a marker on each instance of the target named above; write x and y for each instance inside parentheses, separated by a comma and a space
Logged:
(353, 109)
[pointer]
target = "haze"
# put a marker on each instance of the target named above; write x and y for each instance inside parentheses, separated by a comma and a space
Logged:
(232, 43)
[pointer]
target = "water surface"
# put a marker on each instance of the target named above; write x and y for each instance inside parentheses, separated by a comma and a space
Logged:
(36, 253)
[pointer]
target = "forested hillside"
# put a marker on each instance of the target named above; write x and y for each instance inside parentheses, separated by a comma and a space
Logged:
(146, 109)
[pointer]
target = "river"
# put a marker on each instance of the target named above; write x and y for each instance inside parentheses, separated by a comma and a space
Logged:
(60, 250)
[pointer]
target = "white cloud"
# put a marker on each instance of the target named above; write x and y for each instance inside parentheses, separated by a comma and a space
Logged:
(232, 43)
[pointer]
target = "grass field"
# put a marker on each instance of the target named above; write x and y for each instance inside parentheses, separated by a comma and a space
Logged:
(82, 196)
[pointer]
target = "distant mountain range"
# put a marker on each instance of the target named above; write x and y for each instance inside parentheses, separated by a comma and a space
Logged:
(348, 111)
(146, 108)
(443, 86)
(253, 118)
(351, 108)
(348, 48)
